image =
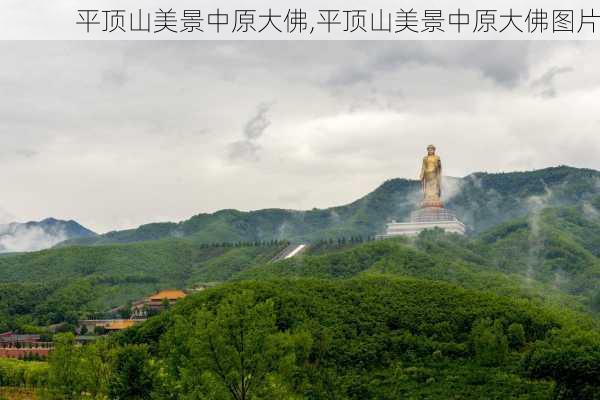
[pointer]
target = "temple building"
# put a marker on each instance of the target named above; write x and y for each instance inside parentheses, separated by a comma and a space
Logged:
(156, 302)
(166, 296)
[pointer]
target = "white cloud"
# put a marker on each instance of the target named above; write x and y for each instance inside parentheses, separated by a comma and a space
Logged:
(20, 237)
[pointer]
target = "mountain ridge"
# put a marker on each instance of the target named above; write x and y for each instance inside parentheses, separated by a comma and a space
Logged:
(480, 199)
(39, 235)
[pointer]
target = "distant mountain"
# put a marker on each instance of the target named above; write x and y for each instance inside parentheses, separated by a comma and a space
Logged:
(39, 235)
(481, 200)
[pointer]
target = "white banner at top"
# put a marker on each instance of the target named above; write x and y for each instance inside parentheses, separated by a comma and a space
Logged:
(299, 20)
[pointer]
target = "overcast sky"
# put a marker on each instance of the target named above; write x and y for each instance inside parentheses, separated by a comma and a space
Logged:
(117, 134)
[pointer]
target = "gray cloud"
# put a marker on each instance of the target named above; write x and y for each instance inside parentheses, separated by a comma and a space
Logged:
(248, 148)
(349, 75)
(505, 63)
(257, 125)
(243, 150)
(116, 134)
(546, 82)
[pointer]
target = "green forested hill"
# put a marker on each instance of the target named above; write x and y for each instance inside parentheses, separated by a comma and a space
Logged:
(559, 246)
(481, 200)
(551, 254)
(485, 200)
(362, 338)
(174, 261)
(67, 283)
(554, 250)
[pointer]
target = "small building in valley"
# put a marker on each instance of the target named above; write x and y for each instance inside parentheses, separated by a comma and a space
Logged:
(156, 302)
(105, 325)
(14, 345)
(11, 337)
(163, 297)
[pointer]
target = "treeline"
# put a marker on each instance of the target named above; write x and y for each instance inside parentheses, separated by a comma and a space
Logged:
(257, 243)
(341, 241)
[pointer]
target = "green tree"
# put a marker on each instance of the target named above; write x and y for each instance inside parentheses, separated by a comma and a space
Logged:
(516, 335)
(132, 373)
(572, 359)
(96, 368)
(65, 379)
(236, 351)
(489, 342)
(595, 301)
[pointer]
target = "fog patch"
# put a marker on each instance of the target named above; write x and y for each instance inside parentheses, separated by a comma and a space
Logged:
(177, 233)
(535, 205)
(334, 217)
(413, 198)
(404, 205)
(22, 238)
(589, 211)
(560, 278)
(467, 212)
(283, 231)
(451, 187)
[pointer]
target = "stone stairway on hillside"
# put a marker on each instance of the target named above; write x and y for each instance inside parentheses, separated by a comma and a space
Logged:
(290, 251)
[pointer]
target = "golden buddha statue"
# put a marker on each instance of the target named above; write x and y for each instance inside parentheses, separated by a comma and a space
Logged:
(431, 179)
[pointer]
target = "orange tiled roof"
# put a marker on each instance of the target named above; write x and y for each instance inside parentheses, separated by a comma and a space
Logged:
(119, 325)
(168, 294)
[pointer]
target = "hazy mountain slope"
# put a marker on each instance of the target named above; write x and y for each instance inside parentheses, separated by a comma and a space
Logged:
(419, 259)
(559, 246)
(554, 250)
(481, 200)
(484, 200)
(39, 235)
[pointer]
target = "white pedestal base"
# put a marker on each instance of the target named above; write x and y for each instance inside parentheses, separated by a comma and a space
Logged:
(425, 218)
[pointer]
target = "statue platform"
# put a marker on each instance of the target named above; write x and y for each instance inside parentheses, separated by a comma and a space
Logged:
(425, 218)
